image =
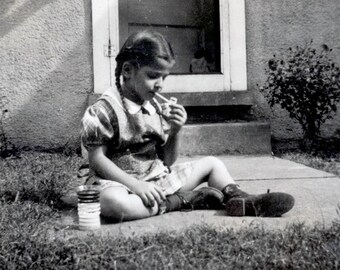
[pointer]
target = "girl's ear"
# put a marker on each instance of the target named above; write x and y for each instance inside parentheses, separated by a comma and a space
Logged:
(127, 70)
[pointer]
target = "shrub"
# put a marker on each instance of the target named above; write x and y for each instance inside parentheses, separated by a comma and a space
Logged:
(306, 83)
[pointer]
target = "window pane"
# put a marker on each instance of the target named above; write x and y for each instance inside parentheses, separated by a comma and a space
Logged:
(191, 26)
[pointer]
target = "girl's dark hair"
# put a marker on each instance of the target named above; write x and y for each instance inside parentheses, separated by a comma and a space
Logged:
(142, 49)
(145, 48)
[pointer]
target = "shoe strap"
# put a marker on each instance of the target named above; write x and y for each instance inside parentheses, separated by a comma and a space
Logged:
(243, 206)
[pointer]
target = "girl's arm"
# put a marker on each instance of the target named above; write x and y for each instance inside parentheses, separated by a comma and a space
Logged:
(105, 168)
(170, 150)
(177, 119)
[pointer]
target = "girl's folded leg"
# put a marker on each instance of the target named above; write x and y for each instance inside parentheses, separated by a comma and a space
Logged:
(237, 202)
(117, 203)
(211, 170)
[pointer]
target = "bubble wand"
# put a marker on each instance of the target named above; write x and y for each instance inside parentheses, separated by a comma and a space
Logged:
(172, 100)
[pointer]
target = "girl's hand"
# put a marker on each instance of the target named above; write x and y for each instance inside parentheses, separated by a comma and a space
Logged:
(176, 118)
(149, 193)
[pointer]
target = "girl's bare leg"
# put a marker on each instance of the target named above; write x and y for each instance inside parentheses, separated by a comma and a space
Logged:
(118, 203)
(211, 170)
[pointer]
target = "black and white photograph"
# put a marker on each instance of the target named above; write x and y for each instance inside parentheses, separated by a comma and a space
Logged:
(169, 134)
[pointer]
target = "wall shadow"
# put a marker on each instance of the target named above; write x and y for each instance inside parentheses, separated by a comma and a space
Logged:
(10, 20)
(50, 116)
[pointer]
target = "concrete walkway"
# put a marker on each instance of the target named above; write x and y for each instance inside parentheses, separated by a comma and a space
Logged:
(317, 196)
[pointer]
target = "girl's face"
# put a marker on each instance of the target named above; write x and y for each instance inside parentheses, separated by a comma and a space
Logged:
(142, 83)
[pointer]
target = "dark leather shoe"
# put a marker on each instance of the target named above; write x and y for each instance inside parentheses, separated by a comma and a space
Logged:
(264, 205)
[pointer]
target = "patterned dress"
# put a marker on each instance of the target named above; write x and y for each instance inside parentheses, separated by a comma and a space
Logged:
(133, 135)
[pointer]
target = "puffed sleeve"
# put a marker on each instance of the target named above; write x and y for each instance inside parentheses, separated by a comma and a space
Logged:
(99, 125)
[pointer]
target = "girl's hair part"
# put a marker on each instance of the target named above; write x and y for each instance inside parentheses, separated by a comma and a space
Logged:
(145, 48)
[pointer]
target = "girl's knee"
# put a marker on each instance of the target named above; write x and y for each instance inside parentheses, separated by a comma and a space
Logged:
(213, 161)
(112, 202)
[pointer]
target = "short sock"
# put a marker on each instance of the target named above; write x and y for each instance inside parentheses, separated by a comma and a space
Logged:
(172, 203)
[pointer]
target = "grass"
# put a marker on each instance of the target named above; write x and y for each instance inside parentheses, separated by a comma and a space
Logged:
(27, 244)
(38, 177)
(320, 162)
(29, 201)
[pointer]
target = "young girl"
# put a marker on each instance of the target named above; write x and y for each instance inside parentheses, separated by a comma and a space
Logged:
(132, 145)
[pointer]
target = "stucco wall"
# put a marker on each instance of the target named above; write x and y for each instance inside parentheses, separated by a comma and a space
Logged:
(45, 71)
(274, 26)
(46, 62)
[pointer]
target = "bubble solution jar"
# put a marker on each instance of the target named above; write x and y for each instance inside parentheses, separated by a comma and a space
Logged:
(88, 208)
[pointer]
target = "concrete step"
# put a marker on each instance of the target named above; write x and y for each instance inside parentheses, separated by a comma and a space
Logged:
(225, 138)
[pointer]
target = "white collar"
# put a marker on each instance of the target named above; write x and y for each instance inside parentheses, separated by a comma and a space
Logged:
(131, 106)
(134, 108)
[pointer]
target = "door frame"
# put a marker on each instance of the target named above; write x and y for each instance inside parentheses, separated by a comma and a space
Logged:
(233, 76)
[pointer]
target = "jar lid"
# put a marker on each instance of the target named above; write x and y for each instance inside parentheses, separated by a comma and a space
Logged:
(95, 200)
(87, 193)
